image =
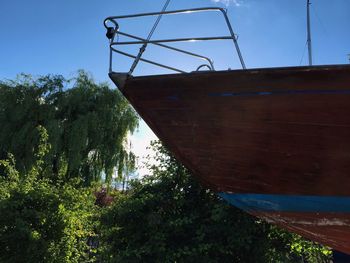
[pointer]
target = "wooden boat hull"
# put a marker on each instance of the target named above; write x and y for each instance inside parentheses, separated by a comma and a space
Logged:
(274, 142)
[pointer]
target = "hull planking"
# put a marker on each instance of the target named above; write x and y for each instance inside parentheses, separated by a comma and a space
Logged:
(274, 142)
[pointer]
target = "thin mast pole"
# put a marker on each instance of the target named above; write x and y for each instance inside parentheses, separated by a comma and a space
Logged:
(309, 33)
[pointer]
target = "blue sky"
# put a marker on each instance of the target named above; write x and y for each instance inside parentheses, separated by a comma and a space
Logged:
(61, 36)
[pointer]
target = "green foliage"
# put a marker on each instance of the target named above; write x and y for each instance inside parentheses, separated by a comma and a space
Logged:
(9, 180)
(169, 217)
(41, 221)
(45, 223)
(86, 124)
(55, 140)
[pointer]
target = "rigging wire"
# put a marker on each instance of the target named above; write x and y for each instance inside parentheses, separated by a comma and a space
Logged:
(313, 8)
(143, 48)
(302, 57)
(157, 21)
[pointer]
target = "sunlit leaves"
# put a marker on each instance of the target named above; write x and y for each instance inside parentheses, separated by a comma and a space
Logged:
(42, 221)
(87, 124)
(169, 217)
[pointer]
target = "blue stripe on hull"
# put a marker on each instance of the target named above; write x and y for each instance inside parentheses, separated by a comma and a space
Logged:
(279, 92)
(288, 203)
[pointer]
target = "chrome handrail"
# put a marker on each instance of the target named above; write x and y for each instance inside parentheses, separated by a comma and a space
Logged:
(187, 39)
(148, 61)
(113, 31)
(169, 47)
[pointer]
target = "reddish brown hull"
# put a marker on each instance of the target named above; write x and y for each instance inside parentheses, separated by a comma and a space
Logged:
(282, 131)
(331, 229)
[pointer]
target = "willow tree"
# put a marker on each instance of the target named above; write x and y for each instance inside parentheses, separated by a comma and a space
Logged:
(87, 124)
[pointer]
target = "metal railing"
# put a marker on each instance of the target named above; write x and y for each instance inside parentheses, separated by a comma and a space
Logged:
(113, 31)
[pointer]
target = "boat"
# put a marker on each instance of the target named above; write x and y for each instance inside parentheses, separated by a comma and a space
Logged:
(274, 142)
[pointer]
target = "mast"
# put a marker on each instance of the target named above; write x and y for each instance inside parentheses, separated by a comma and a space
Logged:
(309, 33)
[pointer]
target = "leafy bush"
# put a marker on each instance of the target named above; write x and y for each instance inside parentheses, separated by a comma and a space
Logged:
(46, 223)
(41, 221)
(169, 217)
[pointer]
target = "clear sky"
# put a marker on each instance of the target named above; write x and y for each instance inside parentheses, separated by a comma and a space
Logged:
(61, 36)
